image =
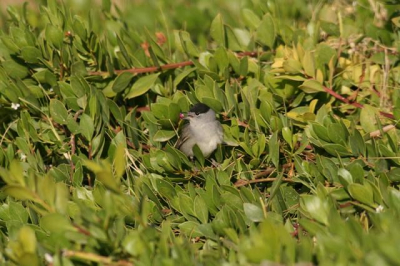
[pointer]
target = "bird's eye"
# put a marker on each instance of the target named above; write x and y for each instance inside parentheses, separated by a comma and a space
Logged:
(197, 113)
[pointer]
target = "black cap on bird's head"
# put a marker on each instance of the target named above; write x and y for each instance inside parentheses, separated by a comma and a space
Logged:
(199, 108)
(196, 110)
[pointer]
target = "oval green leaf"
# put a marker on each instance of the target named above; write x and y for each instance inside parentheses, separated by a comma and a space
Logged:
(142, 85)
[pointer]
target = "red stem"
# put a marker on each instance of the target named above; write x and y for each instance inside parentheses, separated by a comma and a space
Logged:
(165, 67)
(355, 104)
(147, 69)
(190, 63)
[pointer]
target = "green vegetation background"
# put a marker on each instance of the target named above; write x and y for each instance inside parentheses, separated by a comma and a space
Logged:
(308, 95)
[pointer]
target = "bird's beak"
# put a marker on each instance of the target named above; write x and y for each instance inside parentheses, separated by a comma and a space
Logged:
(187, 116)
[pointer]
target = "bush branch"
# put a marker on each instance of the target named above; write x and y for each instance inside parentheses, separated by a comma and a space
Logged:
(355, 104)
(141, 70)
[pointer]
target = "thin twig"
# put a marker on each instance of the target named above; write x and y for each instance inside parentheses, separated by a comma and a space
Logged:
(270, 170)
(90, 155)
(251, 54)
(189, 63)
(146, 69)
(377, 133)
(267, 171)
(165, 67)
(82, 230)
(5, 133)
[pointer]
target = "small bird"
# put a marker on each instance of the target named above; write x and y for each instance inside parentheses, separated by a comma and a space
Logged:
(203, 129)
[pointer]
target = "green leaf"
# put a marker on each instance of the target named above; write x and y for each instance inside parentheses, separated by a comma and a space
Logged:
(261, 145)
(79, 28)
(190, 228)
(173, 112)
(10, 44)
(337, 134)
(292, 66)
(233, 42)
(221, 57)
(14, 69)
(16, 169)
(308, 64)
(54, 35)
(56, 223)
(119, 161)
(368, 118)
(217, 31)
(27, 239)
(86, 126)
(324, 54)
(133, 244)
(253, 212)
(164, 135)
(181, 76)
(244, 66)
(106, 4)
(346, 175)
(200, 209)
(58, 112)
(274, 149)
(266, 33)
(337, 149)
(321, 132)
(116, 112)
(311, 86)
(394, 175)
(165, 189)
(186, 204)
(287, 135)
(104, 174)
(250, 18)
(294, 77)
(361, 193)
(183, 41)
(78, 69)
(198, 154)
(142, 85)
(19, 192)
(380, 58)
(72, 125)
(122, 81)
(214, 104)
(14, 212)
(31, 54)
(207, 231)
(18, 36)
(316, 207)
(125, 55)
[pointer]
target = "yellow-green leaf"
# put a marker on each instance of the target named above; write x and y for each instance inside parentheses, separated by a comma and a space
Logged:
(142, 85)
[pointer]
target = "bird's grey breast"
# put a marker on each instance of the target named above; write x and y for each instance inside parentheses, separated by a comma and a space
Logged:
(208, 136)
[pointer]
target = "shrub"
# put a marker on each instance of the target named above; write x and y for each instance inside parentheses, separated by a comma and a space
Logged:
(308, 97)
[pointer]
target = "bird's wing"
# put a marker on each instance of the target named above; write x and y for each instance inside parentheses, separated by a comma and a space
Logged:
(183, 137)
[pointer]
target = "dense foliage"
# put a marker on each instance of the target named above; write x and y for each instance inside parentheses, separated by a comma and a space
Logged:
(308, 95)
